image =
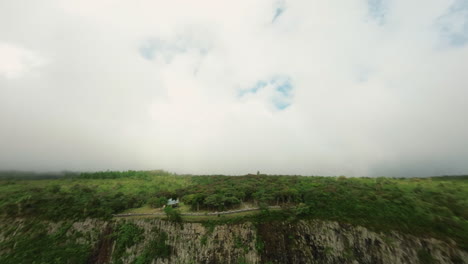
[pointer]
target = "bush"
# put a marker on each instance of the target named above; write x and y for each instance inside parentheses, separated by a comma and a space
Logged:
(127, 235)
(172, 214)
(156, 248)
(157, 202)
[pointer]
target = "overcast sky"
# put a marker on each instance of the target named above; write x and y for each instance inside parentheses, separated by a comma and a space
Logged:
(312, 87)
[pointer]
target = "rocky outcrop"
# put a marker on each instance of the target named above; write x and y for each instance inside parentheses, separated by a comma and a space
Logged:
(305, 241)
(331, 242)
(296, 242)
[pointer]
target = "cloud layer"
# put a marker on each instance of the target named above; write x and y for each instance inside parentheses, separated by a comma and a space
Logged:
(357, 88)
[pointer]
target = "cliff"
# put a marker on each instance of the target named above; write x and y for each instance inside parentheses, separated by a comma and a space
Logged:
(160, 241)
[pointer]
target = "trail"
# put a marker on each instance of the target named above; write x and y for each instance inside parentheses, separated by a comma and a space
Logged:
(199, 214)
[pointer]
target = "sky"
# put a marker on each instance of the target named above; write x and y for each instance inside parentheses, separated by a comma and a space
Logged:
(311, 87)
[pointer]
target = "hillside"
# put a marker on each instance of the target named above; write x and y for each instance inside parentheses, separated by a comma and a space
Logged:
(322, 219)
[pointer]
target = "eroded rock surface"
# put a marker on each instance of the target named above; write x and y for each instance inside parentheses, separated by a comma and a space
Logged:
(308, 241)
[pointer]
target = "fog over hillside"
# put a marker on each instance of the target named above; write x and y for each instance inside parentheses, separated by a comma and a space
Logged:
(356, 88)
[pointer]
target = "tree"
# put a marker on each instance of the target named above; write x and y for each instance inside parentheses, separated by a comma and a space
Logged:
(215, 201)
(194, 200)
(172, 214)
(157, 202)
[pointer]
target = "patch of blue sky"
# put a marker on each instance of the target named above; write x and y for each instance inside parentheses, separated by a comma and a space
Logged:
(259, 85)
(280, 7)
(455, 39)
(453, 26)
(152, 48)
(147, 50)
(377, 9)
(281, 104)
(284, 88)
(278, 12)
(282, 91)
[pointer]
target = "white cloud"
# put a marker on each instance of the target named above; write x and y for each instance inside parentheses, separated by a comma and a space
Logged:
(16, 61)
(155, 84)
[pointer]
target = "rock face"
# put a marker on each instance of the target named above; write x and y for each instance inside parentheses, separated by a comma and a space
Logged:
(307, 241)
(330, 242)
(298, 242)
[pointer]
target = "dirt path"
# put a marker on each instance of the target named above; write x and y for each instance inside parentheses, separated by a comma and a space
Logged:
(199, 214)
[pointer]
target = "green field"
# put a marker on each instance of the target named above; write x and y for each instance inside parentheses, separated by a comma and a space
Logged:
(436, 207)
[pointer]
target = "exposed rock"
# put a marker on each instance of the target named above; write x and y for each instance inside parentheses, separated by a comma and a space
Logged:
(310, 241)
(298, 242)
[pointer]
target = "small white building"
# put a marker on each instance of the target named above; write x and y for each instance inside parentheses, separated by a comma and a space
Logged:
(173, 202)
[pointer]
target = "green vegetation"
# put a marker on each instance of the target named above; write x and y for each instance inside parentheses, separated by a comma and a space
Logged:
(127, 235)
(436, 206)
(33, 244)
(97, 195)
(425, 257)
(156, 248)
(172, 214)
(203, 240)
(157, 202)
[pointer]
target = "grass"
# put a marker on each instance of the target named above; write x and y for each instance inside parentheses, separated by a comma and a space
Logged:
(145, 209)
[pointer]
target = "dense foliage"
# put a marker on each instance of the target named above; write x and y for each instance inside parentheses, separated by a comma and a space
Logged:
(436, 206)
(433, 206)
(44, 242)
(156, 248)
(97, 195)
(34, 244)
(127, 235)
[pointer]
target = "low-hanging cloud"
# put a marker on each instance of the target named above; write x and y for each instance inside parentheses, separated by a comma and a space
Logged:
(357, 88)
